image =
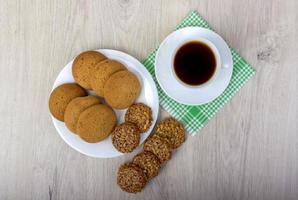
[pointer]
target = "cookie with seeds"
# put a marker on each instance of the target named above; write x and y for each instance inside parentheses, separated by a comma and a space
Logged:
(148, 162)
(96, 123)
(102, 72)
(122, 89)
(75, 108)
(82, 66)
(141, 115)
(126, 137)
(61, 96)
(173, 130)
(131, 178)
(160, 147)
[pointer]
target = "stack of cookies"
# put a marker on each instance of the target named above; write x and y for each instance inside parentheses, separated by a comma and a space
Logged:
(169, 135)
(86, 115)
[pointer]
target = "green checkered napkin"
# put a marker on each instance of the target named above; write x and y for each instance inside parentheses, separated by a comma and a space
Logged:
(195, 117)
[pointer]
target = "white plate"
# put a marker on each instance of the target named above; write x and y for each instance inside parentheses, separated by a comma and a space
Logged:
(148, 96)
(174, 88)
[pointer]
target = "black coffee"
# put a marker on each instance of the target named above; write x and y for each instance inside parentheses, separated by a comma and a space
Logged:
(194, 63)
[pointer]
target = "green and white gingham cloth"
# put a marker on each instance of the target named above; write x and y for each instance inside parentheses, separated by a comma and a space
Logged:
(195, 117)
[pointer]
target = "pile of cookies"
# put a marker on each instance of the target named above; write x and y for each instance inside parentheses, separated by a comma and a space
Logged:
(169, 134)
(86, 115)
(94, 121)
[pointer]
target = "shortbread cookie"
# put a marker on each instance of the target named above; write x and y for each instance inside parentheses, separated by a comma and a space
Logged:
(61, 96)
(96, 123)
(102, 72)
(75, 108)
(83, 65)
(122, 89)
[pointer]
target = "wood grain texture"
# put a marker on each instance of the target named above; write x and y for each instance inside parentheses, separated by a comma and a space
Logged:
(249, 150)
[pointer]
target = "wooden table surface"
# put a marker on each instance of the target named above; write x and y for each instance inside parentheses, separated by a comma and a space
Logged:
(249, 150)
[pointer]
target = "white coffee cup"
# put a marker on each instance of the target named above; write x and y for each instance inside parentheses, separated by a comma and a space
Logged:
(215, 53)
(172, 85)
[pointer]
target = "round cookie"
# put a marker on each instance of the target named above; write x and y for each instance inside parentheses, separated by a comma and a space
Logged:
(102, 72)
(148, 162)
(75, 108)
(139, 114)
(61, 96)
(122, 89)
(160, 147)
(126, 137)
(131, 178)
(82, 66)
(96, 123)
(171, 129)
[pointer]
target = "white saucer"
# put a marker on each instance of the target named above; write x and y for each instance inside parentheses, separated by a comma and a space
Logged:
(174, 88)
(148, 96)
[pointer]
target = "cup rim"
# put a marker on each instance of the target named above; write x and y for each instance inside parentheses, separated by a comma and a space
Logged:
(214, 51)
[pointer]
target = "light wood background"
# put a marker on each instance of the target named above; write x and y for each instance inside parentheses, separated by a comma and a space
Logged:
(249, 150)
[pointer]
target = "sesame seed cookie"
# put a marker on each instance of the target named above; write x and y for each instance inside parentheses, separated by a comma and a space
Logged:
(126, 137)
(82, 66)
(102, 72)
(160, 147)
(131, 178)
(139, 114)
(122, 89)
(61, 96)
(96, 123)
(148, 162)
(75, 108)
(171, 129)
